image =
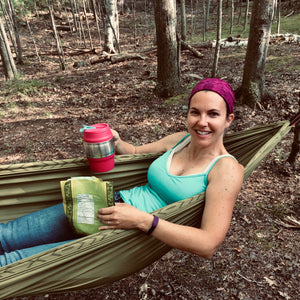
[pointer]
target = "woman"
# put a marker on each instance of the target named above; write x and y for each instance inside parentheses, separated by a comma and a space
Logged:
(199, 162)
(193, 162)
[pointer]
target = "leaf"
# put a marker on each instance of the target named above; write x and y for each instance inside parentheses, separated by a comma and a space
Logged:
(270, 281)
(284, 295)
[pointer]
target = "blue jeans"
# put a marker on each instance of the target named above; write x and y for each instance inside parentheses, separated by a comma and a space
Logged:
(34, 233)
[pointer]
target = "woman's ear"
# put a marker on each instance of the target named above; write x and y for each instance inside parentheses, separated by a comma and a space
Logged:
(229, 119)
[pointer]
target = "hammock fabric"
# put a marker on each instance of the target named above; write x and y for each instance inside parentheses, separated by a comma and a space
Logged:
(105, 257)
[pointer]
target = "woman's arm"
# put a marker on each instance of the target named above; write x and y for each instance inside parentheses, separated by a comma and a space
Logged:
(162, 145)
(220, 197)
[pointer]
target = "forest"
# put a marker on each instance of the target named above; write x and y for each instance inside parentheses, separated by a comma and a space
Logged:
(66, 64)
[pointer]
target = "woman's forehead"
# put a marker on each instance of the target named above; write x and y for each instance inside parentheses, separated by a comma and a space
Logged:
(208, 99)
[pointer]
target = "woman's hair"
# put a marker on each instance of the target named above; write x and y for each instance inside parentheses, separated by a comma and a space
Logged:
(218, 86)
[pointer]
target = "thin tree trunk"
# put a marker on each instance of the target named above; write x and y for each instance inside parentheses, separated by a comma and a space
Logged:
(183, 20)
(204, 20)
(240, 12)
(246, 15)
(219, 34)
(192, 19)
(31, 34)
(231, 17)
(207, 14)
(9, 66)
(278, 16)
(8, 21)
(134, 22)
(17, 34)
(74, 15)
(97, 20)
(81, 29)
(87, 23)
(57, 40)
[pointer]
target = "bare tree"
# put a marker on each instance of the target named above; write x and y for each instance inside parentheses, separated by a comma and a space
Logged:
(278, 16)
(8, 62)
(253, 88)
(16, 31)
(218, 46)
(168, 48)
(111, 25)
(183, 20)
(231, 17)
(57, 40)
(246, 15)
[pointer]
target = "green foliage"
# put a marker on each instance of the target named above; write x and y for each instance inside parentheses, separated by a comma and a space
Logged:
(21, 87)
(277, 64)
(288, 25)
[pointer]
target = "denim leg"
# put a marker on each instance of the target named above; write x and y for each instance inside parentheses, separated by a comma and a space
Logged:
(45, 226)
(8, 258)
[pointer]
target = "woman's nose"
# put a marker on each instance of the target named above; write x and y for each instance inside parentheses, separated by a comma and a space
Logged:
(202, 120)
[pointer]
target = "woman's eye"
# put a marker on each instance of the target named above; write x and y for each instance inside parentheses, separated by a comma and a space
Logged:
(214, 114)
(194, 112)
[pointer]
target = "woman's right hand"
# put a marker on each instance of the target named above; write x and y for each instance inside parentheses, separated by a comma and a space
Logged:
(117, 140)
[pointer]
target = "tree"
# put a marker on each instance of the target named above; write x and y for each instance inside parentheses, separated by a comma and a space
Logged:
(253, 88)
(219, 34)
(8, 62)
(246, 15)
(16, 31)
(183, 20)
(111, 25)
(278, 15)
(168, 48)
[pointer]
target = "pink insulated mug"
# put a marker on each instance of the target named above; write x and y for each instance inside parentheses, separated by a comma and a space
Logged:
(99, 147)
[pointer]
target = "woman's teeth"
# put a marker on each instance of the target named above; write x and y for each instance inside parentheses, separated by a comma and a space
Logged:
(202, 132)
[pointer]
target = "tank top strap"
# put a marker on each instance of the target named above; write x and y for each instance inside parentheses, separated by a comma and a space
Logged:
(213, 162)
(186, 137)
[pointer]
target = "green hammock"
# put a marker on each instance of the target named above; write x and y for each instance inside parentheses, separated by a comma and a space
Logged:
(108, 256)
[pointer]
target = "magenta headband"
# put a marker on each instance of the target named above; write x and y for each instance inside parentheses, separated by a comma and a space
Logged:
(218, 86)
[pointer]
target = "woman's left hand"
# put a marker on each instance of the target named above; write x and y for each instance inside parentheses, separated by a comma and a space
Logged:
(124, 216)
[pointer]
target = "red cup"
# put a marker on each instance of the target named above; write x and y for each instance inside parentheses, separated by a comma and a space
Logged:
(99, 147)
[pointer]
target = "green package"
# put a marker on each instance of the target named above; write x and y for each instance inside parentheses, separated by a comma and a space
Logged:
(82, 197)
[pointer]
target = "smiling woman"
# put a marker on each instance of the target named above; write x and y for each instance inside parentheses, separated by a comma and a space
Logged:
(194, 162)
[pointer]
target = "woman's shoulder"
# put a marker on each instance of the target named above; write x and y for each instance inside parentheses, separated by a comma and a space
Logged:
(173, 139)
(229, 165)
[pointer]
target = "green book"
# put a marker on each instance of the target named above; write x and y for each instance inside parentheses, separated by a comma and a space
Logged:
(82, 197)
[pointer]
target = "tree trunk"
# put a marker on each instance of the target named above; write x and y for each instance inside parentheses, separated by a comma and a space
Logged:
(231, 17)
(30, 31)
(111, 30)
(81, 29)
(57, 40)
(207, 14)
(9, 66)
(74, 15)
(168, 67)
(278, 16)
(183, 20)
(16, 31)
(253, 88)
(87, 23)
(204, 20)
(218, 46)
(246, 15)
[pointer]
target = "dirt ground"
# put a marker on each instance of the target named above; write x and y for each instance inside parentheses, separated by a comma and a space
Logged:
(259, 258)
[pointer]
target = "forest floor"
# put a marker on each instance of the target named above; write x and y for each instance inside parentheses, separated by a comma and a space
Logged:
(259, 258)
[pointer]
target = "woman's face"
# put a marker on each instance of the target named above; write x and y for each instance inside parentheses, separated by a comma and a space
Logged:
(207, 117)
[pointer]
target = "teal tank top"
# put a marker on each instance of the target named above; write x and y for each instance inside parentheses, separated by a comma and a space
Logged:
(164, 188)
